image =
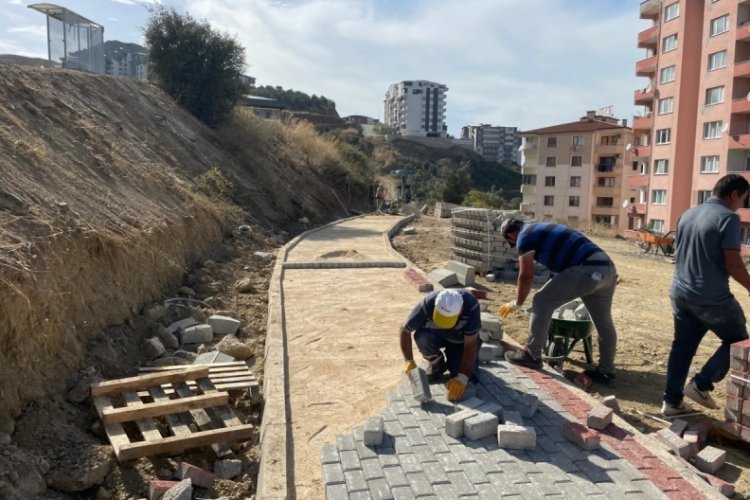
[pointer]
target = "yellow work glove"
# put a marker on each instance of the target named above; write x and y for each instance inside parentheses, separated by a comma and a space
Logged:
(410, 365)
(506, 308)
(457, 386)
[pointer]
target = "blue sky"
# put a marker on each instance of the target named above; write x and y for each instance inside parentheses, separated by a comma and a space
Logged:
(522, 63)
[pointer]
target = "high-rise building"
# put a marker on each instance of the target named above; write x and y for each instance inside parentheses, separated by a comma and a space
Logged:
(574, 172)
(695, 125)
(494, 143)
(416, 108)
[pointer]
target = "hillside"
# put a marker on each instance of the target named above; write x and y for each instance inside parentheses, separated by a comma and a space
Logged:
(23, 60)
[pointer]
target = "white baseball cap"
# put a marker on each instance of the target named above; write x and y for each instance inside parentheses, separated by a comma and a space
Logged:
(448, 305)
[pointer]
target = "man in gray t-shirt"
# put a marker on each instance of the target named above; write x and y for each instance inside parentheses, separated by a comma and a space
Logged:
(708, 253)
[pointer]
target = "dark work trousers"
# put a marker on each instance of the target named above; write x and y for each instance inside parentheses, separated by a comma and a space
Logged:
(430, 344)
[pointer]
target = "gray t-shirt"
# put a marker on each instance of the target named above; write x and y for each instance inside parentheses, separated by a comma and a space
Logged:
(703, 232)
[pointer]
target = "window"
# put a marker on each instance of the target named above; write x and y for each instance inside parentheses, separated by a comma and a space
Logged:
(549, 201)
(712, 130)
(719, 25)
(575, 181)
(671, 11)
(577, 142)
(669, 43)
(661, 167)
(663, 136)
(576, 161)
(606, 182)
(657, 225)
(549, 181)
(611, 139)
(710, 164)
(574, 201)
(714, 95)
(659, 196)
(529, 180)
(703, 196)
(665, 105)
(551, 142)
(606, 201)
(667, 74)
(717, 60)
(551, 161)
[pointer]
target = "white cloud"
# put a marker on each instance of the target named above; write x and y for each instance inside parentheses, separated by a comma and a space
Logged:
(32, 30)
(525, 63)
(16, 2)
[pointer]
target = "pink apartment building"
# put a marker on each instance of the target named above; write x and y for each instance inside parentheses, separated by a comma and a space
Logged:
(575, 172)
(696, 121)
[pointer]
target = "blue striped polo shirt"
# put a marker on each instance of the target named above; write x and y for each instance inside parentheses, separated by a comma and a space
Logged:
(555, 245)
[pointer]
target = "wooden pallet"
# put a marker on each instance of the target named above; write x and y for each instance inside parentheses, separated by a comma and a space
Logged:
(227, 376)
(159, 424)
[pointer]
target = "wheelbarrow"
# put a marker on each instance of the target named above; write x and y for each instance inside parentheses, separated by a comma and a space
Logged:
(652, 241)
(563, 336)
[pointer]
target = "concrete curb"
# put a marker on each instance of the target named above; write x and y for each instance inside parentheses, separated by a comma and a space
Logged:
(276, 471)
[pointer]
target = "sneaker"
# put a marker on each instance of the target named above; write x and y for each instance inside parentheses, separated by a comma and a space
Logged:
(523, 358)
(606, 379)
(435, 371)
(703, 398)
(668, 410)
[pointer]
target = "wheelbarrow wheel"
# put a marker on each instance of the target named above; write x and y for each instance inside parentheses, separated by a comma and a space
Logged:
(556, 353)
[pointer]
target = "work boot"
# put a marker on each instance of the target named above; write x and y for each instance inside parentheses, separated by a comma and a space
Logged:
(606, 379)
(435, 370)
(523, 358)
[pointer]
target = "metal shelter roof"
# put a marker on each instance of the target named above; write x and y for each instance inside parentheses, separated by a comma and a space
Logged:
(62, 14)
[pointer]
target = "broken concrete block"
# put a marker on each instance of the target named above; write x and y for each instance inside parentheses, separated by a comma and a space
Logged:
(183, 323)
(678, 426)
(152, 348)
(211, 357)
(675, 443)
(373, 431)
(710, 459)
(234, 347)
(223, 325)
(516, 437)
(420, 387)
(196, 334)
(180, 491)
(464, 272)
(488, 352)
(200, 477)
(454, 423)
(480, 425)
(445, 277)
(581, 436)
(599, 417)
(227, 469)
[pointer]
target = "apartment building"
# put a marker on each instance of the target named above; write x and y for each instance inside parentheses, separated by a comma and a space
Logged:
(494, 143)
(575, 172)
(416, 108)
(695, 124)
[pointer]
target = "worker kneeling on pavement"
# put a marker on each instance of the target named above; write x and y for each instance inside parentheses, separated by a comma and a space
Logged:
(446, 328)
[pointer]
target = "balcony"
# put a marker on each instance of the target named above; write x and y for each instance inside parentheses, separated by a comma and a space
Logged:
(642, 122)
(742, 69)
(638, 180)
(646, 67)
(650, 9)
(641, 152)
(743, 33)
(741, 106)
(607, 191)
(606, 168)
(527, 208)
(740, 141)
(649, 39)
(528, 189)
(644, 97)
(637, 209)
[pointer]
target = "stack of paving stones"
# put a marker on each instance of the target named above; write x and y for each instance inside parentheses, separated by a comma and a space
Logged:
(737, 410)
(477, 240)
(516, 447)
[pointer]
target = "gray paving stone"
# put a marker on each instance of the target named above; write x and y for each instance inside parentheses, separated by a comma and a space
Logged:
(333, 474)
(462, 454)
(329, 454)
(475, 473)
(372, 468)
(544, 483)
(435, 473)
(355, 481)
(379, 489)
(445, 491)
(420, 485)
(488, 463)
(336, 492)
(395, 397)
(358, 432)
(395, 476)
(389, 460)
(426, 454)
(429, 428)
(415, 437)
(360, 495)
(364, 451)
(408, 421)
(350, 460)
(461, 483)
(345, 443)
(393, 428)
(562, 462)
(402, 493)
(400, 408)
(449, 462)
(409, 463)
(388, 415)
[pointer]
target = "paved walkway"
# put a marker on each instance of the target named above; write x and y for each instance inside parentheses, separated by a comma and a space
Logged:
(333, 360)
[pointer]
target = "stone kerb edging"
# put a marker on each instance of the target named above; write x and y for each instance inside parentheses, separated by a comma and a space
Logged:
(342, 265)
(276, 471)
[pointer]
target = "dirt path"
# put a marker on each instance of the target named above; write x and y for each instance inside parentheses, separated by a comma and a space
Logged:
(643, 318)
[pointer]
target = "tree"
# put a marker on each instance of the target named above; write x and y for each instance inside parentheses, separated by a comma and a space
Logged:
(199, 67)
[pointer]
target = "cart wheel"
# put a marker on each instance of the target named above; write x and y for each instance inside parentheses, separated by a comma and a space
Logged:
(556, 353)
(646, 247)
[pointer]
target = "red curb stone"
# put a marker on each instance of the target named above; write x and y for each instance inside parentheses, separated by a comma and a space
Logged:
(418, 281)
(478, 294)
(200, 477)
(581, 436)
(157, 488)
